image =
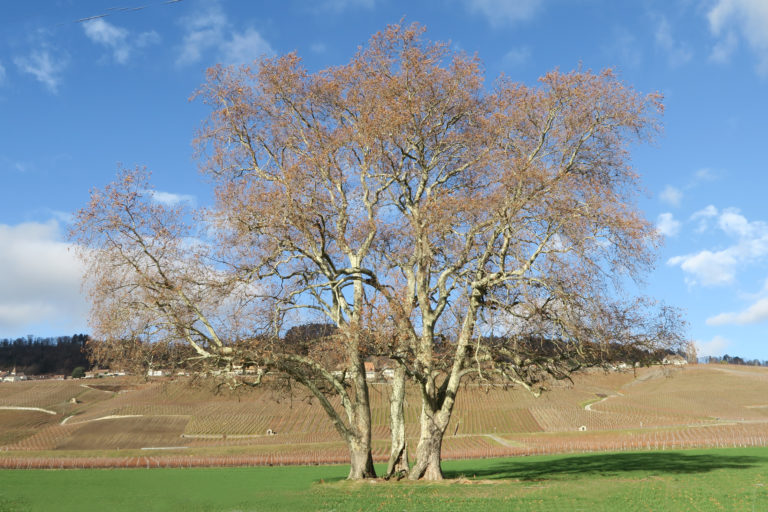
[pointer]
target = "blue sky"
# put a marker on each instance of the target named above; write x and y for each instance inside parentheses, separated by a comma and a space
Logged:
(80, 96)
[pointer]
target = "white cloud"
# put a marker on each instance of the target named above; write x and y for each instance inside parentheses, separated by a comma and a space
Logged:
(44, 66)
(244, 47)
(504, 12)
(714, 347)
(204, 31)
(678, 53)
(118, 39)
(718, 267)
(729, 19)
(707, 211)
(211, 31)
(756, 313)
(671, 195)
(703, 217)
(667, 225)
(2, 73)
(170, 199)
(735, 224)
(705, 174)
(106, 34)
(39, 280)
(517, 56)
(706, 267)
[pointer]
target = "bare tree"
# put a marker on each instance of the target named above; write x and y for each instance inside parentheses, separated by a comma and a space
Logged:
(154, 281)
(415, 209)
(399, 175)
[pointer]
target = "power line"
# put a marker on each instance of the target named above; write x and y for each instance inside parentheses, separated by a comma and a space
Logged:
(121, 10)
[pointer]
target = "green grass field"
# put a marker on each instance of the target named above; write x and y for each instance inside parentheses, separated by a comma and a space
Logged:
(723, 479)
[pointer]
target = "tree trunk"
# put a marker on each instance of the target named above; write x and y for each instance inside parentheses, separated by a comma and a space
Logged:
(428, 452)
(398, 457)
(360, 437)
(361, 460)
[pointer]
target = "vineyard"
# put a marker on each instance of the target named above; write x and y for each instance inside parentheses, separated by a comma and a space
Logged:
(128, 422)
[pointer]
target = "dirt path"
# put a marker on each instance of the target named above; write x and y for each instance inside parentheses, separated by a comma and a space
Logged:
(112, 417)
(17, 408)
(588, 407)
(498, 439)
(86, 386)
(502, 441)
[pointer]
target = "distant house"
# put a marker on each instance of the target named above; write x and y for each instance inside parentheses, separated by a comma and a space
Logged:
(370, 371)
(674, 360)
(388, 373)
(14, 376)
(158, 372)
(96, 373)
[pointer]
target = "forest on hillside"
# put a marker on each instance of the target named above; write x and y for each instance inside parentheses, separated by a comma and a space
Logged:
(42, 356)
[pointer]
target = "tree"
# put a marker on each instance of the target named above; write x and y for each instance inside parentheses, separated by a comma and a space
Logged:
(157, 285)
(691, 352)
(412, 208)
(441, 202)
(78, 373)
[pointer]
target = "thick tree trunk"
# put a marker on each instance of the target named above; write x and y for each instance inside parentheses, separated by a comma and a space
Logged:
(361, 460)
(428, 452)
(398, 457)
(359, 440)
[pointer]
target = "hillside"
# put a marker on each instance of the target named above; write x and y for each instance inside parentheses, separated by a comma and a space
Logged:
(172, 420)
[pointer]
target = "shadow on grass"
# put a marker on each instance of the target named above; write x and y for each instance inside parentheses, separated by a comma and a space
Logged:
(610, 465)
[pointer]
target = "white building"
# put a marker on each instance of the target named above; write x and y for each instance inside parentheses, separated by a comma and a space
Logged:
(14, 377)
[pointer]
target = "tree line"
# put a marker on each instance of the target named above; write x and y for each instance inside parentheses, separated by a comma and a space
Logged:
(458, 229)
(726, 359)
(44, 356)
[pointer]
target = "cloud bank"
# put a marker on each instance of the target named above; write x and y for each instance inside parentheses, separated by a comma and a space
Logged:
(718, 267)
(39, 281)
(756, 313)
(714, 347)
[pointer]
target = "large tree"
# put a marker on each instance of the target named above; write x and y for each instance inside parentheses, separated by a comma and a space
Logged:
(417, 210)
(446, 201)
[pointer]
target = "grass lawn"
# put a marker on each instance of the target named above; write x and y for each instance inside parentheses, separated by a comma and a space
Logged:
(722, 479)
